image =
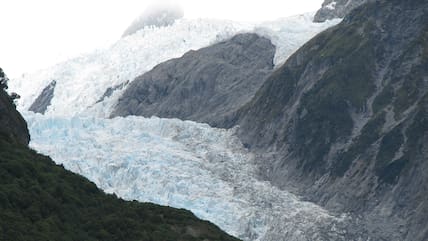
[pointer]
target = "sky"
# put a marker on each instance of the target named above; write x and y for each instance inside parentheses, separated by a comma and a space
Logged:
(38, 34)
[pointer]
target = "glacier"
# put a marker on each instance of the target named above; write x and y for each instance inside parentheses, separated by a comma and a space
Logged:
(171, 162)
(82, 81)
(182, 164)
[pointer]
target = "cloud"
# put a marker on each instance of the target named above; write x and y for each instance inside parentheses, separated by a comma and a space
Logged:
(157, 14)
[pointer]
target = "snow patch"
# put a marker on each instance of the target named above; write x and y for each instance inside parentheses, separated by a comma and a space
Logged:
(331, 5)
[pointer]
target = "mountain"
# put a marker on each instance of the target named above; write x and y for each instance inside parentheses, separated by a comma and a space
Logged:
(81, 82)
(332, 9)
(169, 162)
(343, 123)
(91, 84)
(40, 200)
(205, 85)
(345, 119)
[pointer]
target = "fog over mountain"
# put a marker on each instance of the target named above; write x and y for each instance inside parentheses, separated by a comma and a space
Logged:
(156, 15)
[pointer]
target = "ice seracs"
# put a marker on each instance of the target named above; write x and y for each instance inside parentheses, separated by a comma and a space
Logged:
(82, 81)
(185, 165)
(168, 161)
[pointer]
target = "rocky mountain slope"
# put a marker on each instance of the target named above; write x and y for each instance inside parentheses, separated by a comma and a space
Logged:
(198, 167)
(345, 121)
(92, 84)
(336, 9)
(40, 105)
(206, 85)
(42, 201)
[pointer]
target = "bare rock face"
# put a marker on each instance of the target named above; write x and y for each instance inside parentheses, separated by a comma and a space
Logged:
(12, 125)
(207, 85)
(42, 102)
(345, 120)
(336, 9)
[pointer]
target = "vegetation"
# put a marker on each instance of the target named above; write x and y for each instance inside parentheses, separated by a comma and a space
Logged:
(383, 99)
(369, 135)
(345, 86)
(386, 167)
(390, 170)
(3, 80)
(42, 201)
(414, 83)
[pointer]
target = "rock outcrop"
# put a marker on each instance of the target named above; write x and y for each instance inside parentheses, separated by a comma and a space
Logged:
(40, 105)
(345, 120)
(206, 85)
(336, 9)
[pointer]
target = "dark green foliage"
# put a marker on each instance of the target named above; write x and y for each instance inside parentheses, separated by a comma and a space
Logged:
(369, 134)
(389, 145)
(416, 132)
(407, 95)
(386, 168)
(351, 76)
(389, 170)
(416, 135)
(41, 201)
(327, 119)
(346, 84)
(3, 80)
(383, 99)
(392, 171)
(283, 90)
(415, 82)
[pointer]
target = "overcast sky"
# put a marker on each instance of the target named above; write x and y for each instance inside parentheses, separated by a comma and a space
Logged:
(37, 34)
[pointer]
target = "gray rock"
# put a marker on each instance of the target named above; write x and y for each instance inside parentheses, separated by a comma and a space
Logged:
(336, 9)
(42, 102)
(205, 85)
(110, 90)
(344, 122)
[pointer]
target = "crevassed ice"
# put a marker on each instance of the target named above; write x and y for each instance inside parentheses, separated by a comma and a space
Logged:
(171, 162)
(82, 81)
(181, 164)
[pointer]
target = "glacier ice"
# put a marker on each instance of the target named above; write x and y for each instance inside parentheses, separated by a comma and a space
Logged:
(168, 161)
(82, 81)
(181, 164)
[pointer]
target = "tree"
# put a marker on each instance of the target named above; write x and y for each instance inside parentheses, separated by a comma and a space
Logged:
(3, 80)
